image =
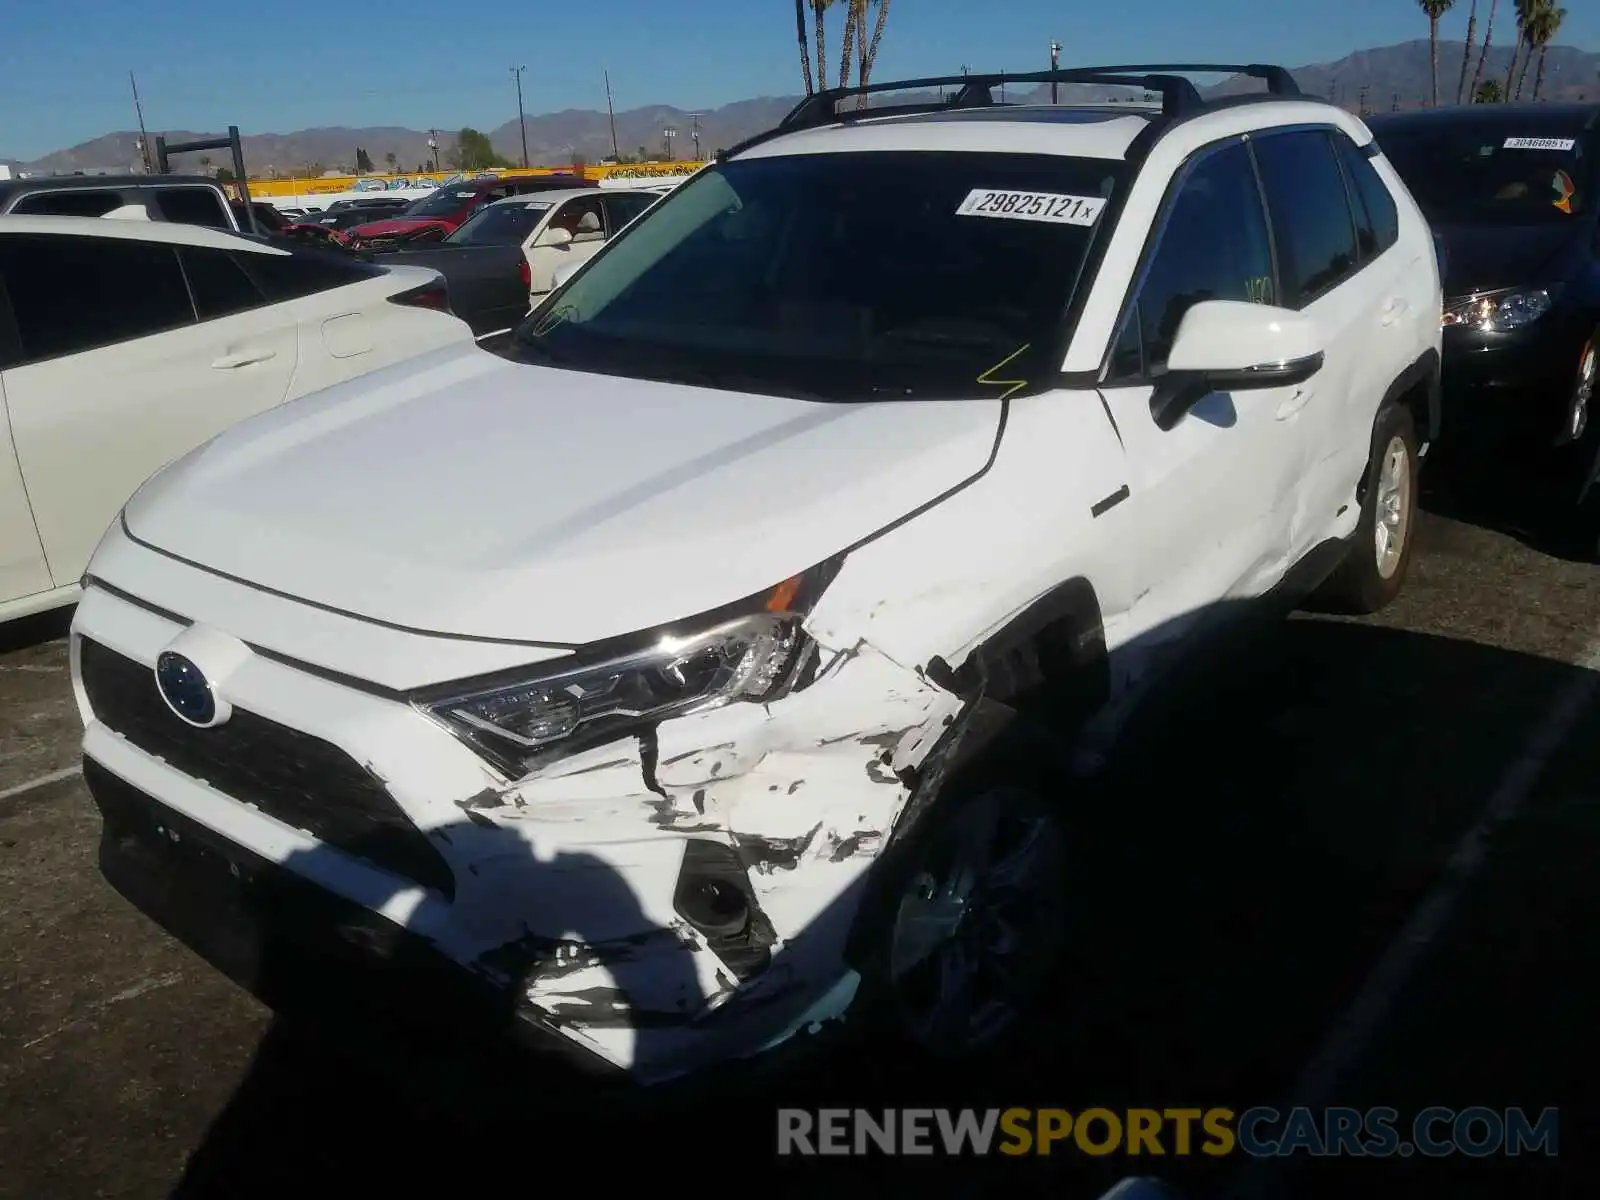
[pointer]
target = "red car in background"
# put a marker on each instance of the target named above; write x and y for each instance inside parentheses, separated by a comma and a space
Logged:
(442, 211)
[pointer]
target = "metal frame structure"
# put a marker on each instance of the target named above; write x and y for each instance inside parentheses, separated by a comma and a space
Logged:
(1179, 96)
(163, 167)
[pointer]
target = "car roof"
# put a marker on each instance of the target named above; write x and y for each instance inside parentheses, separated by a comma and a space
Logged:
(52, 183)
(170, 232)
(1101, 131)
(555, 196)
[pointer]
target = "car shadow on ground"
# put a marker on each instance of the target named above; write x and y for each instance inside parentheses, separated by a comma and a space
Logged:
(1236, 880)
(27, 632)
(1537, 503)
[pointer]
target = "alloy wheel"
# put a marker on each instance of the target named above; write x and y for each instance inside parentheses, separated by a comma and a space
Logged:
(980, 925)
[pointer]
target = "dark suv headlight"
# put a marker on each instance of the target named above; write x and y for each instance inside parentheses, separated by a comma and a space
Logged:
(1499, 311)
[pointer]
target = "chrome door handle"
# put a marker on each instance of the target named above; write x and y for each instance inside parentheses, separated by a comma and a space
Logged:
(1393, 311)
(1293, 404)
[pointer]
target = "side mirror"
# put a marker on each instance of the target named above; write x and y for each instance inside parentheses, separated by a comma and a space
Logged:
(1232, 346)
(555, 236)
(565, 272)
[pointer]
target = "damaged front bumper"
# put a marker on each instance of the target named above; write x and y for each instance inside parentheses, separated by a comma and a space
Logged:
(655, 905)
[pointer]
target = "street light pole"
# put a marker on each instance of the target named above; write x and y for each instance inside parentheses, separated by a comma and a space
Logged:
(1055, 65)
(522, 124)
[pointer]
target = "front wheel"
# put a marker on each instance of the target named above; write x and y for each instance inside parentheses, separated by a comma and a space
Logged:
(977, 925)
(1374, 568)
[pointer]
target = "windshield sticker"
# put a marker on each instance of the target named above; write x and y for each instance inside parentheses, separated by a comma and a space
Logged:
(465, 195)
(1565, 189)
(1532, 143)
(1051, 207)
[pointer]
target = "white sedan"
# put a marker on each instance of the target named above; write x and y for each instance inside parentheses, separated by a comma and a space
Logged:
(572, 229)
(126, 344)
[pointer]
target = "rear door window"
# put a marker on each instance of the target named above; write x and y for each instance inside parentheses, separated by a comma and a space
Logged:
(193, 206)
(303, 273)
(71, 294)
(218, 283)
(79, 202)
(1372, 198)
(622, 209)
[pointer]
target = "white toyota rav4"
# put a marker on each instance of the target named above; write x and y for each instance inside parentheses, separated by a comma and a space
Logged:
(694, 677)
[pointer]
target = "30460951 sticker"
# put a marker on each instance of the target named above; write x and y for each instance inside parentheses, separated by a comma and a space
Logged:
(1053, 208)
(1535, 143)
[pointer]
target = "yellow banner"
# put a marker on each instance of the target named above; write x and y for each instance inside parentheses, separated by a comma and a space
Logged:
(325, 185)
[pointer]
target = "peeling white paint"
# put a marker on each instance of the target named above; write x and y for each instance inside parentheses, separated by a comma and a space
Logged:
(806, 787)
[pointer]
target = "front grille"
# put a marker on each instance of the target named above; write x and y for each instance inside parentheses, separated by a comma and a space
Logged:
(301, 780)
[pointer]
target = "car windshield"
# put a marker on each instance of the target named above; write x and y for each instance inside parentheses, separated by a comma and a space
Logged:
(441, 202)
(500, 225)
(858, 276)
(1511, 171)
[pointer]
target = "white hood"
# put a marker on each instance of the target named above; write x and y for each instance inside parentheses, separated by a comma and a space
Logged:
(461, 493)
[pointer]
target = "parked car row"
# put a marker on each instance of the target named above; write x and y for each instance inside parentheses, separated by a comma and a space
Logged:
(503, 259)
(712, 664)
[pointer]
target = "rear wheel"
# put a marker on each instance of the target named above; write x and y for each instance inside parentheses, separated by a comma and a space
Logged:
(1375, 567)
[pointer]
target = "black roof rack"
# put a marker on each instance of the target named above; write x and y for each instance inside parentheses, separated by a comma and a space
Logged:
(1179, 96)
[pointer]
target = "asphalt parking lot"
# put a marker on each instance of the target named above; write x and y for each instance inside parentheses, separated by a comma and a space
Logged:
(1362, 872)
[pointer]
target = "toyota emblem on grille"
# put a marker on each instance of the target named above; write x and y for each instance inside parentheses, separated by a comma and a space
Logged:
(187, 691)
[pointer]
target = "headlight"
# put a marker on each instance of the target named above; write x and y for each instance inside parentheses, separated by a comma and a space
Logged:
(1500, 311)
(754, 650)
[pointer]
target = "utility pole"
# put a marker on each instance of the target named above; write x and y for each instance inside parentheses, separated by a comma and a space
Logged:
(433, 149)
(522, 123)
(694, 133)
(1362, 100)
(144, 138)
(667, 135)
(1055, 65)
(616, 154)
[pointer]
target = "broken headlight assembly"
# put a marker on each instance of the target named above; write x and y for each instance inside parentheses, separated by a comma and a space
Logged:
(752, 651)
(1500, 311)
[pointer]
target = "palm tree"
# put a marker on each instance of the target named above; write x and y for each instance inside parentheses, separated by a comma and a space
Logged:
(1547, 24)
(1525, 13)
(1466, 55)
(877, 36)
(805, 51)
(1531, 14)
(1435, 9)
(1488, 35)
(855, 28)
(818, 8)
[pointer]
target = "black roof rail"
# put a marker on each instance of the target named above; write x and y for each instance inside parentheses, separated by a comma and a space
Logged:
(1179, 96)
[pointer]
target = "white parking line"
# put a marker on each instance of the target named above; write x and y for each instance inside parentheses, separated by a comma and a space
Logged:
(42, 781)
(1347, 1042)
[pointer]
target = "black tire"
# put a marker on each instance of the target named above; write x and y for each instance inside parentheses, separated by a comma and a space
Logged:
(1369, 579)
(896, 995)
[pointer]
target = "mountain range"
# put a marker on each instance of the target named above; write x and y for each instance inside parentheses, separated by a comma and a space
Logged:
(1384, 77)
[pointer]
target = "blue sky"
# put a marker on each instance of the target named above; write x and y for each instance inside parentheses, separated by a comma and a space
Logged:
(291, 64)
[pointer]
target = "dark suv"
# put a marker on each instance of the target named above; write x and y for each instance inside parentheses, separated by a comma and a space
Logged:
(185, 199)
(1510, 192)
